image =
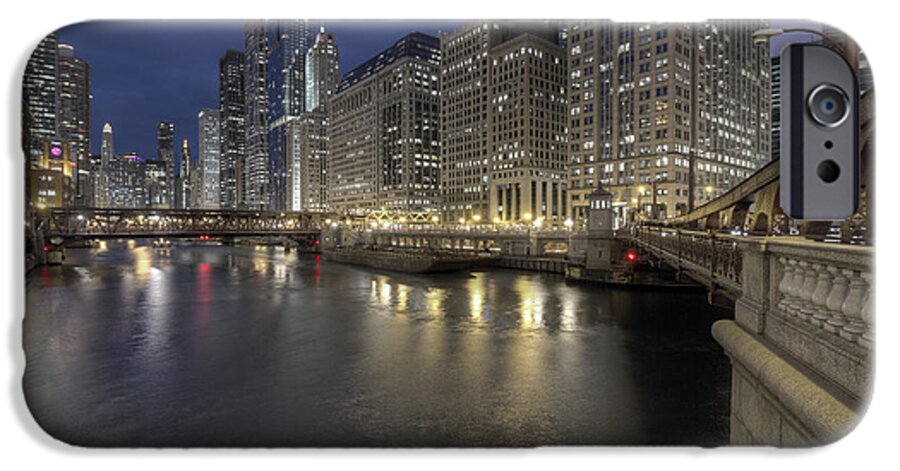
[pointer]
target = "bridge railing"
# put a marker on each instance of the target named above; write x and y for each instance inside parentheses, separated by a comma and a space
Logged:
(716, 258)
(138, 222)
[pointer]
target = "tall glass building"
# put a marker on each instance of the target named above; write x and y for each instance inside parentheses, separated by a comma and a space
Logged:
(39, 95)
(231, 104)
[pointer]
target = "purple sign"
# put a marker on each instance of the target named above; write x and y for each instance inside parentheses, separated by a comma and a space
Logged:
(56, 151)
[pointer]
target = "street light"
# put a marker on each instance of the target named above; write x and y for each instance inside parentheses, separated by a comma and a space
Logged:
(476, 218)
(569, 223)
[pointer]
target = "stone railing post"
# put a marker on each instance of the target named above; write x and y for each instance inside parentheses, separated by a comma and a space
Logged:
(750, 309)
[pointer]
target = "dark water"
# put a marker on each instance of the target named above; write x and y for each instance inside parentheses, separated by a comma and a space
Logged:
(240, 346)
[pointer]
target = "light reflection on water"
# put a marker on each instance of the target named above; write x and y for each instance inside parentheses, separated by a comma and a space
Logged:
(255, 346)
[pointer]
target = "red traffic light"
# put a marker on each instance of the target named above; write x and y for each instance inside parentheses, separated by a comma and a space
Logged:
(631, 256)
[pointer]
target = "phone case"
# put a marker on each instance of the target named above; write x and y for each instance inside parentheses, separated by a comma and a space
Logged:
(442, 233)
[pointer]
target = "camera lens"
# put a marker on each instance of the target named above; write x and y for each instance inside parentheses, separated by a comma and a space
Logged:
(828, 105)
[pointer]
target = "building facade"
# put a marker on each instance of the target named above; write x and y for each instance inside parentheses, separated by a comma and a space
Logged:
(308, 152)
(384, 134)
(104, 167)
(527, 132)
(165, 154)
(158, 189)
(208, 191)
(39, 96)
(664, 116)
(183, 193)
(231, 105)
(256, 125)
(466, 95)
(54, 175)
(287, 44)
(323, 70)
(127, 181)
(74, 116)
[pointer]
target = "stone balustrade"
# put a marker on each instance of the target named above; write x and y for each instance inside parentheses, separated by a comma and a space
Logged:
(832, 297)
(801, 341)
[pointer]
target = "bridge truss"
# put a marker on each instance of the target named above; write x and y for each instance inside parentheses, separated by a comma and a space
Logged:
(106, 223)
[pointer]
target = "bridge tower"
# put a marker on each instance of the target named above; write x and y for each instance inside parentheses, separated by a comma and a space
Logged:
(600, 245)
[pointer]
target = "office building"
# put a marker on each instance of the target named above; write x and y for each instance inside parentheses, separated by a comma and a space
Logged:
(74, 115)
(287, 44)
(53, 176)
(503, 123)
(158, 190)
(465, 96)
(39, 96)
(165, 153)
(127, 181)
(256, 125)
(323, 70)
(384, 150)
(231, 103)
(664, 116)
(183, 194)
(101, 182)
(308, 151)
(208, 193)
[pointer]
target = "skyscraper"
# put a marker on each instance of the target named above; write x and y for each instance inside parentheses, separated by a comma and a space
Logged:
(286, 47)
(165, 153)
(323, 70)
(256, 125)
(183, 180)
(106, 145)
(74, 115)
(307, 148)
(308, 152)
(527, 134)
(231, 103)
(39, 96)
(664, 116)
(208, 192)
(482, 90)
(384, 145)
(101, 182)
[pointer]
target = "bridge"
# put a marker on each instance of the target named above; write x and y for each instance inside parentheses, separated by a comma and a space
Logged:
(97, 223)
(801, 340)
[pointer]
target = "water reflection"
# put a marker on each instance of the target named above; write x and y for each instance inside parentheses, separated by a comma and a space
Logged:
(251, 345)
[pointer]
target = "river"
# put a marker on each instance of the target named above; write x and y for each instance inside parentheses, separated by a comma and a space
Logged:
(129, 345)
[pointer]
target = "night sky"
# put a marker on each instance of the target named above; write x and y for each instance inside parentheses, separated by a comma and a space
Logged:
(146, 72)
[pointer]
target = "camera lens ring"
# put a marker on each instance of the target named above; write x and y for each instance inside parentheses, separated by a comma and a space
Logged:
(811, 105)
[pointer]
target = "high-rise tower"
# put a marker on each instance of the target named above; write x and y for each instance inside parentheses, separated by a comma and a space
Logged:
(231, 103)
(256, 125)
(323, 70)
(165, 154)
(208, 161)
(39, 96)
(74, 117)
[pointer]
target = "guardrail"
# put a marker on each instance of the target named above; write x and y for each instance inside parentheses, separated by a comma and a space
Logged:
(714, 258)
